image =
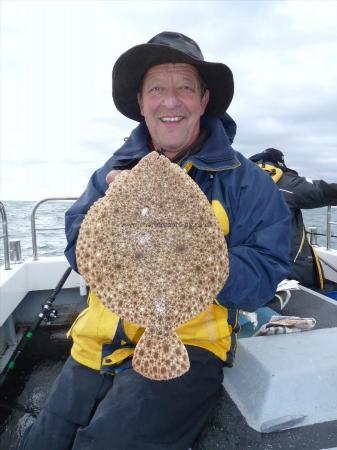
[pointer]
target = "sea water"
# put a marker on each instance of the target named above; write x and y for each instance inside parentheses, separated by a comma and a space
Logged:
(50, 217)
(49, 222)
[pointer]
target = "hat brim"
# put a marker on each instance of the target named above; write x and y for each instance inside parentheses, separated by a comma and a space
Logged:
(132, 65)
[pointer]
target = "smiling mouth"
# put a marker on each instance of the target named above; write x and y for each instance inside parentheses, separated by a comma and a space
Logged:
(171, 119)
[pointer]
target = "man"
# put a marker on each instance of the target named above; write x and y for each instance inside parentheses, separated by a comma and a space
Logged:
(299, 192)
(98, 400)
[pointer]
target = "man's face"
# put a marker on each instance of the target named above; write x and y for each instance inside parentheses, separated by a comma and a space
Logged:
(171, 104)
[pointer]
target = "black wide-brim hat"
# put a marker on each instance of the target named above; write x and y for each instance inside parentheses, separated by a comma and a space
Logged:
(168, 47)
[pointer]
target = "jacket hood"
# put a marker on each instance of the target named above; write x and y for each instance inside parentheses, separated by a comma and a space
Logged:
(229, 126)
(216, 153)
(273, 157)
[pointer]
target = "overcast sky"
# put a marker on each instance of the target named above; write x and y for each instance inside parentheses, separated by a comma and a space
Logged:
(58, 120)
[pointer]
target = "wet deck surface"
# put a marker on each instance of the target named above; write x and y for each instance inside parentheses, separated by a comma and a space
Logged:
(26, 389)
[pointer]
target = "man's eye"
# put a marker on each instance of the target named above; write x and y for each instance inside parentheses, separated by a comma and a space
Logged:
(155, 89)
(187, 88)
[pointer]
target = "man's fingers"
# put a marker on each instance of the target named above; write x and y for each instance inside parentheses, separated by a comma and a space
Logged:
(113, 174)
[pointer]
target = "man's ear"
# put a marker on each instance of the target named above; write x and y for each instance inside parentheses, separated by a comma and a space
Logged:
(204, 101)
(140, 103)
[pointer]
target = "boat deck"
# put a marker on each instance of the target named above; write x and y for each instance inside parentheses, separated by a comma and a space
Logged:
(27, 386)
(26, 389)
(27, 286)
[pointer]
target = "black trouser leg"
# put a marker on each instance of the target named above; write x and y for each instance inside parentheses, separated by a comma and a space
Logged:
(142, 414)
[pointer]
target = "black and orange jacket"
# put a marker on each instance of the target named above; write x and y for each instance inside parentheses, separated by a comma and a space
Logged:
(304, 193)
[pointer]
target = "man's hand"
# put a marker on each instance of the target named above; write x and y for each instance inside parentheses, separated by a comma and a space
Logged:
(113, 174)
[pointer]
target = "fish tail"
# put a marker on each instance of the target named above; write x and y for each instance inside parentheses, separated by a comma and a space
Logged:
(160, 356)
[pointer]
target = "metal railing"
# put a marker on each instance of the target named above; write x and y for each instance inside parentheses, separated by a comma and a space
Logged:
(329, 222)
(5, 235)
(313, 233)
(33, 224)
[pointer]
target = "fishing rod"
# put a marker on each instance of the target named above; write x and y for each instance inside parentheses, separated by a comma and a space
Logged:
(47, 313)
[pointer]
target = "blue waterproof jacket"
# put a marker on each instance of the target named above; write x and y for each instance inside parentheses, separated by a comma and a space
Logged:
(258, 235)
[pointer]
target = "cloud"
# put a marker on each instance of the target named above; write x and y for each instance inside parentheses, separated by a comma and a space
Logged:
(58, 121)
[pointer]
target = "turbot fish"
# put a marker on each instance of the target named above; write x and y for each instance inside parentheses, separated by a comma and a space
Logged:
(153, 252)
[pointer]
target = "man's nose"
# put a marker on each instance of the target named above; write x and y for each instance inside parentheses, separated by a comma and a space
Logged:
(171, 98)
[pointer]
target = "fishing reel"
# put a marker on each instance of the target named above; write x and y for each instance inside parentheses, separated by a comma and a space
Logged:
(48, 314)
